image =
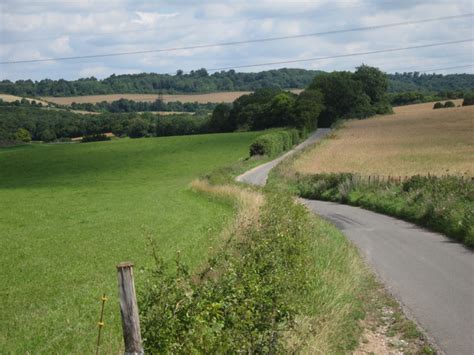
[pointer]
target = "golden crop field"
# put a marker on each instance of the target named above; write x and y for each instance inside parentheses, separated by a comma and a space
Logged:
(414, 140)
(218, 97)
(200, 98)
(12, 98)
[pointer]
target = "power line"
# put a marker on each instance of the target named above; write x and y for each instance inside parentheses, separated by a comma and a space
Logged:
(344, 55)
(259, 40)
(446, 68)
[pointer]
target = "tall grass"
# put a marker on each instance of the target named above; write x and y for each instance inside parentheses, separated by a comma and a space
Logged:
(444, 204)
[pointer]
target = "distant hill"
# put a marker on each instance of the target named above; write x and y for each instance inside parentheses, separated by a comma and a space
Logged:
(199, 81)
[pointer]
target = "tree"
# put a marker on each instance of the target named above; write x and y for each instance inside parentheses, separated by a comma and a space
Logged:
(47, 135)
(374, 82)
(220, 119)
(138, 127)
(438, 105)
(343, 97)
(307, 108)
(280, 111)
(23, 135)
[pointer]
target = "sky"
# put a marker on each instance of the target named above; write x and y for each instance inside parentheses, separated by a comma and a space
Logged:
(42, 29)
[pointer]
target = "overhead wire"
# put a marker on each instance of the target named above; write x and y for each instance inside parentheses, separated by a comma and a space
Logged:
(234, 43)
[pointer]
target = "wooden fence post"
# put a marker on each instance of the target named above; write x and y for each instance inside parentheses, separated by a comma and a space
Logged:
(129, 310)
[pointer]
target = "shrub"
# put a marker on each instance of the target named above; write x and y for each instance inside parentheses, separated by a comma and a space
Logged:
(468, 100)
(95, 138)
(268, 144)
(448, 104)
(23, 135)
(244, 302)
(443, 204)
(438, 105)
(295, 136)
(274, 143)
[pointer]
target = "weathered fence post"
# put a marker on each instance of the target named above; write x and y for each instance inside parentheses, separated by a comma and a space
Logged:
(129, 310)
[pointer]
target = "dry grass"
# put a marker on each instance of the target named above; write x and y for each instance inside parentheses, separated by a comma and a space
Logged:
(414, 140)
(12, 98)
(228, 97)
(248, 204)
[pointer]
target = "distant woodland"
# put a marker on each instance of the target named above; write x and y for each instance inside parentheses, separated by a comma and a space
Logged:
(201, 81)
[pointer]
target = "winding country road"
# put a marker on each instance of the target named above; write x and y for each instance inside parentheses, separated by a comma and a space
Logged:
(432, 277)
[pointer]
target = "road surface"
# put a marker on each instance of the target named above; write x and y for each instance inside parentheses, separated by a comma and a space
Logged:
(431, 276)
(258, 176)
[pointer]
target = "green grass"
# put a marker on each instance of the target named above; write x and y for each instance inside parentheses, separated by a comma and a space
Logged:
(70, 213)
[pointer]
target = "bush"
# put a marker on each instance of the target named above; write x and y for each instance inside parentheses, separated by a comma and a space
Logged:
(244, 302)
(443, 204)
(468, 100)
(438, 105)
(23, 135)
(274, 143)
(268, 144)
(95, 138)
(295, 136)
(448, 104)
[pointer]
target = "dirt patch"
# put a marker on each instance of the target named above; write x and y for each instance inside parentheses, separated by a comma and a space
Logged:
(386, 329)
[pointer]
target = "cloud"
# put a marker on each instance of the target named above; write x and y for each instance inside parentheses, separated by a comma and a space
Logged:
(61, 46)
(47, 28)
(151, 18)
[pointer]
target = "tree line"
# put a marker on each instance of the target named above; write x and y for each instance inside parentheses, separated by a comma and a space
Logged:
(201, 81)
(328, 98)
(125, 105)
(39, 124)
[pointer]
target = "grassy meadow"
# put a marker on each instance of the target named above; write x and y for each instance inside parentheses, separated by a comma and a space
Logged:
(71, 212)
(414, 140)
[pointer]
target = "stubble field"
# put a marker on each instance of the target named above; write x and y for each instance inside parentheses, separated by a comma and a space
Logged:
(414, 140)
(217, 97)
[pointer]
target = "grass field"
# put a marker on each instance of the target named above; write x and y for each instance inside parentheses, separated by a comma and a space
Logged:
(414, 140)
(228, 97)
(71, 212)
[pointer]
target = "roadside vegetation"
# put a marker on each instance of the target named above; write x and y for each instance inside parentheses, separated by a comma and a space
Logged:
(281, 281)
(415, 165)
(443, 204)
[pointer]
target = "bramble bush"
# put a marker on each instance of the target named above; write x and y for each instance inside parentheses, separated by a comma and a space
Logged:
(246, 299)
(444, 204)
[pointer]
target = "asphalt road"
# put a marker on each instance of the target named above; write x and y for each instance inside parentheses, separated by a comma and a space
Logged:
(432, 277)
(258, 176)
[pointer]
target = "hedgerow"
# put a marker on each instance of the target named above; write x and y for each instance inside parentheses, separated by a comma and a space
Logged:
(444, 204)
(274, 143)
(246, 299)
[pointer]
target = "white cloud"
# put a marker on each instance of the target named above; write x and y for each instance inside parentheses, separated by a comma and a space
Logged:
(61, 45)
(47, 28)
(150, 19)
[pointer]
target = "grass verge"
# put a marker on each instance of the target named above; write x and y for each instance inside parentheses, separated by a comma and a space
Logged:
(283, 281)
(443, 204)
